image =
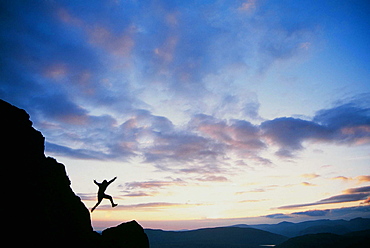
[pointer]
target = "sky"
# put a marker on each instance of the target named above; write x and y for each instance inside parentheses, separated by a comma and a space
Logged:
(210, 113)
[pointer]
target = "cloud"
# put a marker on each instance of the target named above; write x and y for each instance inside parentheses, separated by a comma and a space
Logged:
(349, 210)
(349, 195)
(278, 216)
(237, 136)
(314, 213)
(69, 152)
(341, 178)
(248, 5)
(367, 201)
(308, 184)
(181, 150)
(154, 184)
(95, 78)
(350, 123)
(365, 189)
(151, 206)
(289, 133)
(100, 52)
(98, 138)
(359, 179)
(258, 190)
(250, 201)
(362, 179)
(310, 176)
(337, 213)
(87, 196)
(201, 146)
(213, 179)
(345, 124)
(138, 194)
(331, 213)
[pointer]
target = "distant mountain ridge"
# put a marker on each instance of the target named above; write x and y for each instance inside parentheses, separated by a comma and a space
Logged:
(290, 229)
(219, 237)
(318, 233)
(359, 239)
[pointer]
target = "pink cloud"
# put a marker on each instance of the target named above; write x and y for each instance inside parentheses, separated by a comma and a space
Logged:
(213, 179)
(248, 5)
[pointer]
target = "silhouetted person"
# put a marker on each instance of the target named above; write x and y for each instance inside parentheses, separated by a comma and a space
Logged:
(101, 193)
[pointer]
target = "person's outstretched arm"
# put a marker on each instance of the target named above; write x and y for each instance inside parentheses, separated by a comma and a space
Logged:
(96, 182)
(111, 181)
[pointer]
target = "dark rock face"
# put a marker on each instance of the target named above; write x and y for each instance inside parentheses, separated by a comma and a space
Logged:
(41, 210)
(129, 234)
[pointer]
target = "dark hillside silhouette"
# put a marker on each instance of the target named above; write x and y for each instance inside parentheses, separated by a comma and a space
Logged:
(41, 209)
(219, 237)
(358, 239)
(290, 229)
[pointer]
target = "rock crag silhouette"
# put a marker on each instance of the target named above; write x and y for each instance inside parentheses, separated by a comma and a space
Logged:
(43, 210)
(129, 234)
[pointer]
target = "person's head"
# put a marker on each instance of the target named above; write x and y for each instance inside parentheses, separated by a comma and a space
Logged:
(105, 181)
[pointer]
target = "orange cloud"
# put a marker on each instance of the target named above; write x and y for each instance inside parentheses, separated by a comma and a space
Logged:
(310, 175)
(308, 184)
(362, 179)
(359, 179)
(341, 178)
(367, 201)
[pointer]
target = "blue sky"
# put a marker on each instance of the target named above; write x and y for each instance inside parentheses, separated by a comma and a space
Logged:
(208, 112)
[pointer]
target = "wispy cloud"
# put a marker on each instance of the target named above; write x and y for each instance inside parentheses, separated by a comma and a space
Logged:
(358, 179)
(363, 179)
(365, 189)
(349, 195)
(151, 206)
(251, 201)
(310, 176)
(212, 179)
(87, 196)
(155, 184)
(308, 184)
(278, 216)
(314, 213)
(259, 190)
(138, 194)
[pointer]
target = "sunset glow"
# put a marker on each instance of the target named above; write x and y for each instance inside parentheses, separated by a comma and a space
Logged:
(210, 113)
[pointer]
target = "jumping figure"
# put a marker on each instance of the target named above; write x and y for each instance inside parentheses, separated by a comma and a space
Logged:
(101, 193)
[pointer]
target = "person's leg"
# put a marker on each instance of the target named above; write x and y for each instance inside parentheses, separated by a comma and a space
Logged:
(97, 204)
(110, 199)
